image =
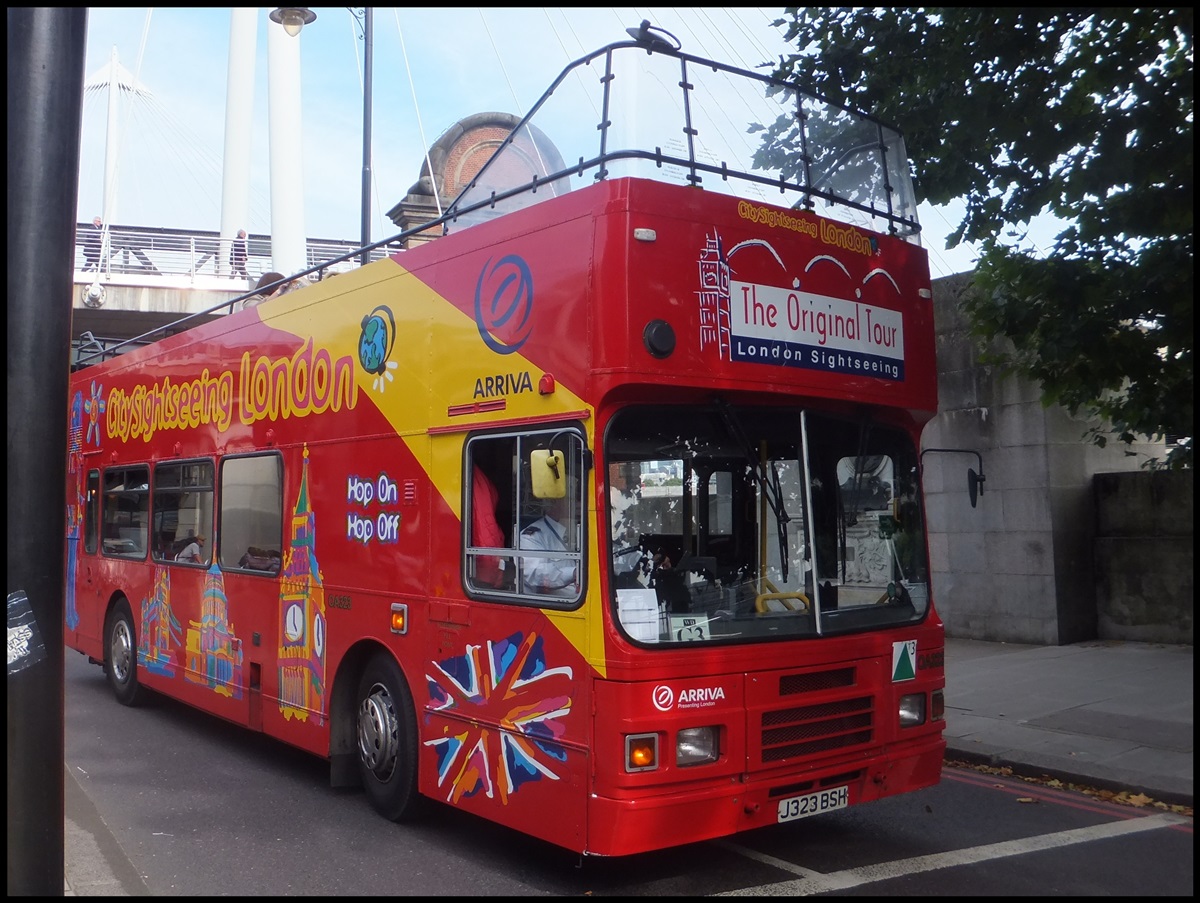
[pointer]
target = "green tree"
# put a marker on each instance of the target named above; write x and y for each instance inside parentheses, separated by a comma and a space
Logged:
(1081, 113)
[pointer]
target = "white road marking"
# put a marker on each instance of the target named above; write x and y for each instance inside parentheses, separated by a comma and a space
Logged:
(810, 882)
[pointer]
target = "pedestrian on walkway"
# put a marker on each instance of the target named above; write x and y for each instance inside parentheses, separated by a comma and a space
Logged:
(92, 240)
(237, 255)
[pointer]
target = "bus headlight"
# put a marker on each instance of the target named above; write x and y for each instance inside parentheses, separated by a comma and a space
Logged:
(641, 752)
(912, 710)
(696, 745)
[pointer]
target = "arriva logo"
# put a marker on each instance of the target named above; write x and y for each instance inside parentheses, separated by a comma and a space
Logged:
(664, 697)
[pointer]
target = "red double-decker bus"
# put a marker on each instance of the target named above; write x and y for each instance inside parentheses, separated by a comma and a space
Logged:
(599, 516)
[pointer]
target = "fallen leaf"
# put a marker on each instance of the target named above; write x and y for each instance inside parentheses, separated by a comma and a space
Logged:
(1026, 799)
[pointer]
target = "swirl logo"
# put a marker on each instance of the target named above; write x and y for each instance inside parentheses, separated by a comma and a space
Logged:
(375, 344)
(663, 698)
(504, 304)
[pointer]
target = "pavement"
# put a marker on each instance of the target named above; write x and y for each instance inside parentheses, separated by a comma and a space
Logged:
(1107, 715)
(1110, 715)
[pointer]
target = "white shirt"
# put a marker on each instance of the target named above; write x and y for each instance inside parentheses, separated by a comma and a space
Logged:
(547, 575)
(191, 552)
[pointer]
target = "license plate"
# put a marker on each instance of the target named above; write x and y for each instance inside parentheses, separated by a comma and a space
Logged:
(795, 807)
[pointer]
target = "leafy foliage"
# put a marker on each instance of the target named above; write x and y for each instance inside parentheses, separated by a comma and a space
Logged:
(1081, 113)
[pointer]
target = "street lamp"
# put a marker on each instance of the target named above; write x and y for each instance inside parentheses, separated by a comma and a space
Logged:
(294, 18)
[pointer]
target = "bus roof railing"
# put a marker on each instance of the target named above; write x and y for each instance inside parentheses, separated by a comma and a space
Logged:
(671, 116)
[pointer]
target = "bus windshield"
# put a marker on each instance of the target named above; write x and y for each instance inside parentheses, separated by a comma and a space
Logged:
(758, 523)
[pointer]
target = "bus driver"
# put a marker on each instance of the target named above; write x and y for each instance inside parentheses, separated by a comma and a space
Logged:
(555, 576)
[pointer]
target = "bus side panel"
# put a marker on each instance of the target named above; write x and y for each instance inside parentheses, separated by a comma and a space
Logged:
(194, 636)
(87, 596)
(356, 541)
(504, 720)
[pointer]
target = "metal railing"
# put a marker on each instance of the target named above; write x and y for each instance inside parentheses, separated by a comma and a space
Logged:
(153, 253)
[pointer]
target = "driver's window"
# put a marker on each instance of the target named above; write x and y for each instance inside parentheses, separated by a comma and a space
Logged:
(519, 541)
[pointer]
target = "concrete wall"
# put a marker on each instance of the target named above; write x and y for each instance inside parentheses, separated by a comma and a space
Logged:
(167, 296)
(1020, 566)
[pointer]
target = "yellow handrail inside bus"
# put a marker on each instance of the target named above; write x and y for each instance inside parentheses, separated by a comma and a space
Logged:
(787, 600)
(762, 527)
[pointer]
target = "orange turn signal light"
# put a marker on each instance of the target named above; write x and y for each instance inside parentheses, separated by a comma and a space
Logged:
(641, 752)
(399, 618)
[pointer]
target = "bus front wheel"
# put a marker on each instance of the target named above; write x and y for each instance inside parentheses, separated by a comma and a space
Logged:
(387, 739)
(120, 657)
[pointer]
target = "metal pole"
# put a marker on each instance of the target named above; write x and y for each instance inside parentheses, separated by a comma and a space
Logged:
(45, 104)
(368, 41)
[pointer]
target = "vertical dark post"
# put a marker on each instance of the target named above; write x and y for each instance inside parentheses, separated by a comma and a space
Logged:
(368, 41)
(46, 48)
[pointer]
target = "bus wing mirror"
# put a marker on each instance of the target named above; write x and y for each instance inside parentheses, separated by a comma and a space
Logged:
(974, 484)
(974, 480)
(548, 473)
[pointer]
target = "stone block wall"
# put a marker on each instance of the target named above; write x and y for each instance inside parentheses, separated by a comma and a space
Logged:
(1143, 556)
(1020, 566)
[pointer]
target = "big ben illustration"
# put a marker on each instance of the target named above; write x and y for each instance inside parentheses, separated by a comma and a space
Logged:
(302, 617)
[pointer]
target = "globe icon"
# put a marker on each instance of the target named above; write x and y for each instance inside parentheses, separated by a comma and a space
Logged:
(373, 344)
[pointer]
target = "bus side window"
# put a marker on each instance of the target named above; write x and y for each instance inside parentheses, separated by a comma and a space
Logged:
(182, 508)
(500, 508)
(91, 512)
(126, 521)
(250, 500)
(257, 559)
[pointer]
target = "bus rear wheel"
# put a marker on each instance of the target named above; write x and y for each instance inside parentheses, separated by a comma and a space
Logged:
(387, 739)
(120, 655)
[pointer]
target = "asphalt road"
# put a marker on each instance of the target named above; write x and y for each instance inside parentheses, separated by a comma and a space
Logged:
(171, 802)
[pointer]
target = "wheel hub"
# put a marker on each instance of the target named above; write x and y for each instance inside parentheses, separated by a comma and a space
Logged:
(378, 732)
(121, 652)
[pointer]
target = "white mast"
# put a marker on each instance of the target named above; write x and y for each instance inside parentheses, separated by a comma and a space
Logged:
(110, 142)
(239, 123)
(288, 240)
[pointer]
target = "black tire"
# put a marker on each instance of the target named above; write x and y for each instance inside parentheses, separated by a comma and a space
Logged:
(120, 655)
(387, 740)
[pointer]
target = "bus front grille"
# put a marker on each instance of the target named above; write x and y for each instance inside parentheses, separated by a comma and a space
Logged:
(829, 712)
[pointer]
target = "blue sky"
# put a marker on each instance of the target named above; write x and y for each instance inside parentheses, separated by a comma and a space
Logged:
(431, 67)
